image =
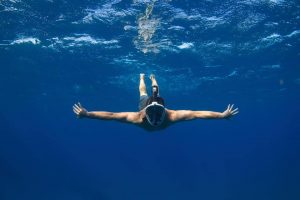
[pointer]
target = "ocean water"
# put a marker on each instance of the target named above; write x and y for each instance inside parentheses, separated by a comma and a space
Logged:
(205, 55)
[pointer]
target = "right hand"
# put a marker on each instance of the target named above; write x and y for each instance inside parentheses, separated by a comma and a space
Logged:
(79, 110)
(229, 112)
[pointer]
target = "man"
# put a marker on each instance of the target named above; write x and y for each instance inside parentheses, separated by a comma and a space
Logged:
(152, 114)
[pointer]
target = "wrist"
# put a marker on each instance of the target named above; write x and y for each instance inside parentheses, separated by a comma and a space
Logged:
(222, 116)
(87, 114)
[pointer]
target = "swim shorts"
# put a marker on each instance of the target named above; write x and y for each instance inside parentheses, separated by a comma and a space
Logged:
(143, 102)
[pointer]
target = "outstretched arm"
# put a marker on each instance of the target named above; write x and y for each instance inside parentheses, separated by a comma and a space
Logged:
(130, 117)
(180, 115)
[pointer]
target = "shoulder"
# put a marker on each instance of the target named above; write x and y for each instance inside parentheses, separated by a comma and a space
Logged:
(137, 117)
(171, 114)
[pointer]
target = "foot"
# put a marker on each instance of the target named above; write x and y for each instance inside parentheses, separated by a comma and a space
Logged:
(142, 76)
(152, 77)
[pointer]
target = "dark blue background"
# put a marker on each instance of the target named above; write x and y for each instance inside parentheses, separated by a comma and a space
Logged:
(47, 153)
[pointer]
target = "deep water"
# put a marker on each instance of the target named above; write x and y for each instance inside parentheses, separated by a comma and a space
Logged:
(205, 55)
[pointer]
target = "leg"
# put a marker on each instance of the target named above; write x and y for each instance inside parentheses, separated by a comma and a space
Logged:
(142, 86)
(155, 90)
(154, 82)
(143, 93)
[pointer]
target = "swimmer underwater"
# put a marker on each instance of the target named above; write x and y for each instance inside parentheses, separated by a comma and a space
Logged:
(152, 114)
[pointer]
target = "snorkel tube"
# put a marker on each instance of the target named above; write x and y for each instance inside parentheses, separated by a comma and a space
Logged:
(155, 110)
(155, 91)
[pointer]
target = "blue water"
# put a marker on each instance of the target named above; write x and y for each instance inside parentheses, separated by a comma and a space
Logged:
(205, 54)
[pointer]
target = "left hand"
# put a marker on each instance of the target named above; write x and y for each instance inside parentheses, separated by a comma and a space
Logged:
(79, 110)
(229, 112)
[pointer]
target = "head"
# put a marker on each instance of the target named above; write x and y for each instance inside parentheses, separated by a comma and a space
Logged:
(155, 114)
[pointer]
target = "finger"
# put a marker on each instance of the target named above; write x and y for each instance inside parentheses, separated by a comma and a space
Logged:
(76, 107)
(231, 107)
(76, 110)
(235, 110)
(79, 105)
(235, 113)
(228, 106)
